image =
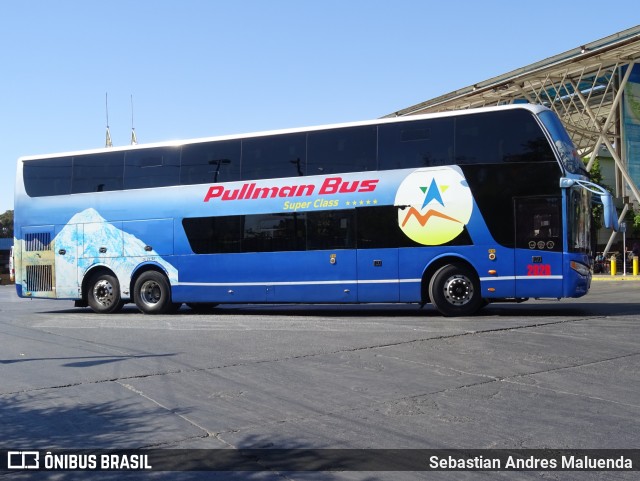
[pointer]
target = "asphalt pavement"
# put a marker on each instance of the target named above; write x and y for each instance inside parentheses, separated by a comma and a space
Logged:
(544, 374)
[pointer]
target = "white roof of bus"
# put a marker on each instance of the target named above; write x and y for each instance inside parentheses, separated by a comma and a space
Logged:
(535, 108)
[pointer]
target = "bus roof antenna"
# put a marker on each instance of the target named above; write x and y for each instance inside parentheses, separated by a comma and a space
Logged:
(107, 142)
(134, 137)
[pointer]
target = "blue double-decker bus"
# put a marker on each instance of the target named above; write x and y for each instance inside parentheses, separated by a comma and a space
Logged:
(456, 209)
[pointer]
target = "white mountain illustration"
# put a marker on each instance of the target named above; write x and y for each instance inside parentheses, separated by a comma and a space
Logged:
(83, 237)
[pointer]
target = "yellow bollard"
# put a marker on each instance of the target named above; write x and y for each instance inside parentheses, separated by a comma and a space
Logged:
(635, 265)
(613, 265)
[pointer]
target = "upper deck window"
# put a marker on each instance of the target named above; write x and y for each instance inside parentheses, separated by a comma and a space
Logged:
(47, 177)
(210, 162)
(351, 149)
(97, 172)
(147, 168)
(470, 138)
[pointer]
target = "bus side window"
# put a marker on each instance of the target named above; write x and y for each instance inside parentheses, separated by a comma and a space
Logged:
(47, 177)
(422, 143)
(97, 172)
(214, 235)
(496, 137)
(331, 229)
(146, 168)
(274, 156)
(342, 150)
(210, 162)
(539, 223)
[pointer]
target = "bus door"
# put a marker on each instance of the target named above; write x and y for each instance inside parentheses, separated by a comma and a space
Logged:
(377, 254)
(378, 275)
(539, 246)
(320, 267)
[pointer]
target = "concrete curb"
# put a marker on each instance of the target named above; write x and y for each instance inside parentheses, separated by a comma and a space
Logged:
(616, 278)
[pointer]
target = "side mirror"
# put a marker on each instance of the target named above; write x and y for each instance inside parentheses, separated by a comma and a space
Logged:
(610, 214)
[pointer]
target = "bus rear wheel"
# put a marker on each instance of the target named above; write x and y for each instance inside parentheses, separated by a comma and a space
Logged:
(455, 291)
(152, 293)
(103, 295)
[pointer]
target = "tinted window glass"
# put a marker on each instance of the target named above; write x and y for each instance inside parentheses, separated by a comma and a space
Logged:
(274, 156)
(331, 229)
(341, 150)
(274, 232)
(493, 137)
(495, 186)
(151, 168)
(378, 228)
(579, 210)
(97, 172)
(209, 235)
(420, 143)
(568, 154)
(539, 223)
(255, 233)
(47, 177)
(210, 162)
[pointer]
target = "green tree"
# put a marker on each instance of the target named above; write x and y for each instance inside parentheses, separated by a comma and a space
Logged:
(596, 176)
(6, 224)
(633, 222)
(633, 215)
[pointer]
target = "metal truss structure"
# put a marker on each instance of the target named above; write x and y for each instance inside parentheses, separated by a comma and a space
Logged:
(583, 86)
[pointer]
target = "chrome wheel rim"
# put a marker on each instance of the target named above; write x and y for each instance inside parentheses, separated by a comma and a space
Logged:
(458, 290)
(104, 293)
(150, 293)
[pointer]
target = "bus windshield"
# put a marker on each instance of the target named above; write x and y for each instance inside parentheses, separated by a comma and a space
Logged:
(569, 157)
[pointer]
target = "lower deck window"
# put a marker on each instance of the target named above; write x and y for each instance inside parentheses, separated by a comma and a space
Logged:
(363, 228)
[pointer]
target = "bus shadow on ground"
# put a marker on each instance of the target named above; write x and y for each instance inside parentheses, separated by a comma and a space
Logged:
(525, 309)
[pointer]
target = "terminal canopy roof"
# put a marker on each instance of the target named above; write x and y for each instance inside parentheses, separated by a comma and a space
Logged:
(583, 86)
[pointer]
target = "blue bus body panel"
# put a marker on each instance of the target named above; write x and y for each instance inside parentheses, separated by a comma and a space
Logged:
(378, 275)
(268, 277)
(539, 273)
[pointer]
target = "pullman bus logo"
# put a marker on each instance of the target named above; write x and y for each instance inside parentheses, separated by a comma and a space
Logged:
(434, 205)
(262, 190)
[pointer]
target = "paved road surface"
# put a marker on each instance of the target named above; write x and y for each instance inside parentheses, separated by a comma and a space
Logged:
(542, 374)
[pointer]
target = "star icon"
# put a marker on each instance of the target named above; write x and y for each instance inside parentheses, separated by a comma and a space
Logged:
(432, 193)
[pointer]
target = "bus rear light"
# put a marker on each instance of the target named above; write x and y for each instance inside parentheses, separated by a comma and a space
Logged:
(580, 268)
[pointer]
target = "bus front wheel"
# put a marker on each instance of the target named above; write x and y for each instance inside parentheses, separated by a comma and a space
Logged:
(455, 290)
(152, 293)
(103, 295)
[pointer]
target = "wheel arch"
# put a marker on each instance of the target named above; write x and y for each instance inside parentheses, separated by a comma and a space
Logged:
(146, 267)
(434, 266)
(90, 273)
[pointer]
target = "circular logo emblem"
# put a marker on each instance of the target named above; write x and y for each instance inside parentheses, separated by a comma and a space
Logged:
(434, 205)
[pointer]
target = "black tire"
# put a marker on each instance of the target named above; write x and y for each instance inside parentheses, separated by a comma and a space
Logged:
(152, 294)
(103, 294)
(455, 291)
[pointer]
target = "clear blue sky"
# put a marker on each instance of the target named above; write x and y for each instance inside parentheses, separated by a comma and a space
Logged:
(200, 68)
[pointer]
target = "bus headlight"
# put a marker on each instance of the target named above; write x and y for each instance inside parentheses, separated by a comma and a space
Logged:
(580, 268)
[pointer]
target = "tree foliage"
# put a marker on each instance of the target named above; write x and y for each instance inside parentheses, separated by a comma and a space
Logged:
(6, 224)
(596, 176)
